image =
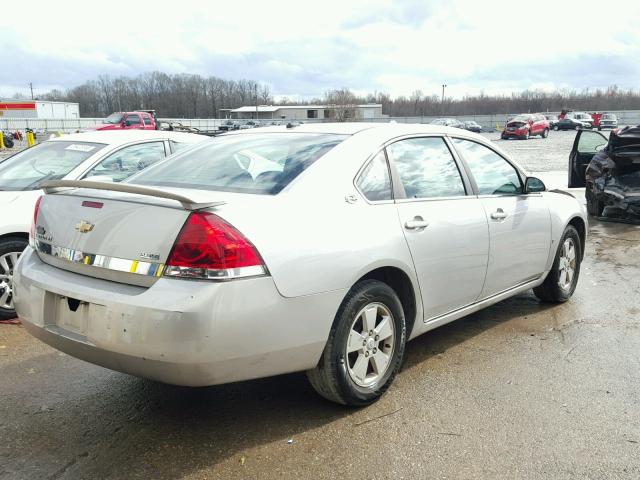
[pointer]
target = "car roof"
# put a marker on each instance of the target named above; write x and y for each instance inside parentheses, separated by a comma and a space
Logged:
(119, 137)
(354, 128)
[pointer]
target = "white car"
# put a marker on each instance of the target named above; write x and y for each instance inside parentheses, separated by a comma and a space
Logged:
(98, 156)
(342, 243)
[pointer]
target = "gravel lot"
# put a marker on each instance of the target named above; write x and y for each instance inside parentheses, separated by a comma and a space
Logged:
(519, 390)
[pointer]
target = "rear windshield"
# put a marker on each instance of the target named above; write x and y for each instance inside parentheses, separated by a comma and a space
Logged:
(262, 163)
(47, 161)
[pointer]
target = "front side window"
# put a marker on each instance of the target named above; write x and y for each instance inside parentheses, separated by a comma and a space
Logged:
(261, 163)
(493, 174)
(374, 182)
(128, 160)
(133, 119)
(426, 168)
(51, 160)
(591, 142)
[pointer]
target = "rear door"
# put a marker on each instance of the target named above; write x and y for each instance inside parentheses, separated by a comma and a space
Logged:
(519, 224)
(586, 144)
(445, 227)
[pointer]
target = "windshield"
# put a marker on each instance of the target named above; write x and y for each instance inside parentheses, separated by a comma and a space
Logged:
(609, 116)
(521, 118)
(47, 161)
(258, 163)
(113, 119)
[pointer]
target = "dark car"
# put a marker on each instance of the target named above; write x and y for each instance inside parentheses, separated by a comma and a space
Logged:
(553, 121)
(570, 123)
(448, 122)
(608, 169)
(472, 126)
(526, 125)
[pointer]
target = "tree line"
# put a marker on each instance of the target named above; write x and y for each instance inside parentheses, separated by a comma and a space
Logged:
(196, 96)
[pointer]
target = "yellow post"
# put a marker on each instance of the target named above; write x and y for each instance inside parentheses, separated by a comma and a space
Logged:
(498, 127)
(1, 140)
(30, 140)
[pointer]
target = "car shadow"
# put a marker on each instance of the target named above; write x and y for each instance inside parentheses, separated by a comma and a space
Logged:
(102, 424)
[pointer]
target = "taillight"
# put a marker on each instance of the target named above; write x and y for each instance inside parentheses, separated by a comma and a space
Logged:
(32, 234)
(207, 247)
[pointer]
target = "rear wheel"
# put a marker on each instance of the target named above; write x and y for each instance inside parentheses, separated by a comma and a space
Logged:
(10, 250)
(562, 279)
(365, 346)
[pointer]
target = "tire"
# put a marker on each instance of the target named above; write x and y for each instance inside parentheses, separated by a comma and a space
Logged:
(595, 207)
(334, 377)
(551, 291)
(545, 133)
(556, 128)
(10, 250)
(8, 142)
(599, 129)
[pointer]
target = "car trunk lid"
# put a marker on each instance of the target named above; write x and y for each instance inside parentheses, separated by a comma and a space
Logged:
(117, 232)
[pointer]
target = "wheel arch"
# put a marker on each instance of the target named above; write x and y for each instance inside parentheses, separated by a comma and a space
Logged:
(404, 287)
(579, 224)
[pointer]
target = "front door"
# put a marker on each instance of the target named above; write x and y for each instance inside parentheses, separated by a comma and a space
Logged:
(445, 228)
(519, 224)
(586, 144)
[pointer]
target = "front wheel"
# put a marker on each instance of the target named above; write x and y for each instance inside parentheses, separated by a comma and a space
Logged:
(365, 346)
(556, 128)
(10, 250)
(562, 279)
(545, 133)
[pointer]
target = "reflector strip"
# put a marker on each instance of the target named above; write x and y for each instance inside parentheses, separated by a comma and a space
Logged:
(151, 269)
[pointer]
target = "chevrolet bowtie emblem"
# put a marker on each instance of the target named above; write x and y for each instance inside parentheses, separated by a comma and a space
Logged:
(84, 226)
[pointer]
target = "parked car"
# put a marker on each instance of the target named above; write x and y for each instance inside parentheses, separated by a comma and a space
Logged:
(570, 123)
(128, 121)
(609, 169)
(553, 121)
(229, 125)
(472, 126)
(526, 125)
(608, 120)
(96, 156)
(197, 272)
(585, 118)
(448, 122)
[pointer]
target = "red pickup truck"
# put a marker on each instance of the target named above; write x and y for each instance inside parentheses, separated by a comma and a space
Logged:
(128, 121)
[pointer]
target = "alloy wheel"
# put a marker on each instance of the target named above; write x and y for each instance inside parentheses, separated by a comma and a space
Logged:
(7, 265)
(370, 344)
(567, 265)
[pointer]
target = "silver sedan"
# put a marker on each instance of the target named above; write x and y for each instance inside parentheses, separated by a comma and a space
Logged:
(320, 248)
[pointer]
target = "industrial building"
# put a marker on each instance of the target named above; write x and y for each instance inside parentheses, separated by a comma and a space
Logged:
(305, 112)
(40, 109)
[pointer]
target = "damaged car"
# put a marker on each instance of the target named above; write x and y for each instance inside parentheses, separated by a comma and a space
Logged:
(609, 169)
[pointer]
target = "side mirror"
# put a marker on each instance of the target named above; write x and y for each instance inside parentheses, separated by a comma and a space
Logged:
(534, 185)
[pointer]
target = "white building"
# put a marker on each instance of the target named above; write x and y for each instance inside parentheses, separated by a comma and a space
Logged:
(41, 109)
(306, 112)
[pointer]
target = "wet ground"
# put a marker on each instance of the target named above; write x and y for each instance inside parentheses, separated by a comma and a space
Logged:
(519, 390)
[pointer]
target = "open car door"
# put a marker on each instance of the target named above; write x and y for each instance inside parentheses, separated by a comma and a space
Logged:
(585, 146)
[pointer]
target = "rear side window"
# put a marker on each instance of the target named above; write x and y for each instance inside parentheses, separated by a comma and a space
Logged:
(426, 168)
(133, 119)
(374, 182)
(493, 174)
(261, 163)
(147, 120)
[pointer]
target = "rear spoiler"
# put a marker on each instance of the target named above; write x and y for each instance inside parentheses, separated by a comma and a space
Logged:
(54, 186)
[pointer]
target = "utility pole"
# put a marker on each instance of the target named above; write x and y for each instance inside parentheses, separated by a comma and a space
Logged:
(31, 87)
(443, 87)
(256, 101)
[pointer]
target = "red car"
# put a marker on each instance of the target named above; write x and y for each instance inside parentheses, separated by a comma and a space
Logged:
(526, 125)
(128, 121)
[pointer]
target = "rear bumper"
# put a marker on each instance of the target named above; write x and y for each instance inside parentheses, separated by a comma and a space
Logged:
(181, 332)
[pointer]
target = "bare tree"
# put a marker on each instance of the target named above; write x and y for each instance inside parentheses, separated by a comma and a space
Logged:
(343, 104)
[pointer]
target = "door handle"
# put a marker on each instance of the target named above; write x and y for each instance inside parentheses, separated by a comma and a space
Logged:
(416, 224)
(499, 214)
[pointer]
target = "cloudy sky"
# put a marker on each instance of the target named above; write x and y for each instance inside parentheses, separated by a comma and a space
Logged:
(303, 48)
